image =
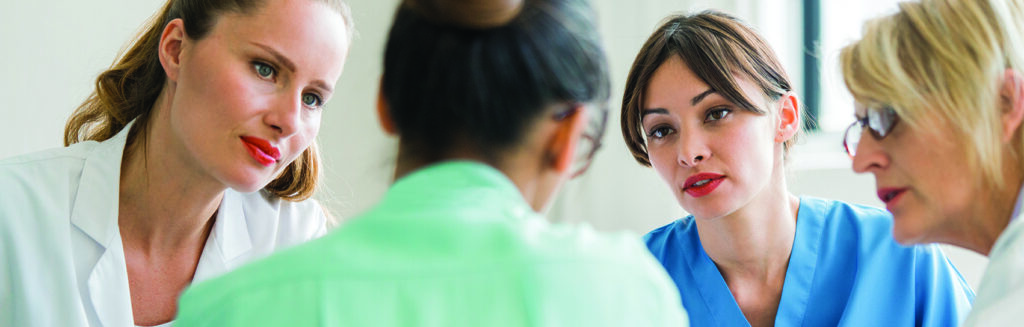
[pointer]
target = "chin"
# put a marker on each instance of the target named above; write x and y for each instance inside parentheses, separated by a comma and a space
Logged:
(247, 184)
(906, 233)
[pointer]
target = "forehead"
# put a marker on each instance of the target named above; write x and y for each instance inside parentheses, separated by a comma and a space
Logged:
(309, 33)
(674, 84)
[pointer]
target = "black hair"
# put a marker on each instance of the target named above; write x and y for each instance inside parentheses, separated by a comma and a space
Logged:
(450, 85)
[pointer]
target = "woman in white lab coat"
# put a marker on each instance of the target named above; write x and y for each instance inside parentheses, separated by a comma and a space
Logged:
(194, 154)
(939, 91)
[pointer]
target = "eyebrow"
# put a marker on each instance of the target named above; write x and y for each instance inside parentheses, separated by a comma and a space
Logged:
(701, 97)
(646, 112)
(291, 66)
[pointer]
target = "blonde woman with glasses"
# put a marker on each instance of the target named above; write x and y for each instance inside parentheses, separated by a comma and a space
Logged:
(939, 91)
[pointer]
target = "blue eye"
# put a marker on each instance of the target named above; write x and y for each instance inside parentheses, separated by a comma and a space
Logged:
(717, 114)
(312, 100)
(264, 70)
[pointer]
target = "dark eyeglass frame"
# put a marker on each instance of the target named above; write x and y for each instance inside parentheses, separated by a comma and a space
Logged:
(879, 123)
(594, 133)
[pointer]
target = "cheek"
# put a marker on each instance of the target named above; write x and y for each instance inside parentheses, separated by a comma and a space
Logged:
(662, 160)
(303, 139)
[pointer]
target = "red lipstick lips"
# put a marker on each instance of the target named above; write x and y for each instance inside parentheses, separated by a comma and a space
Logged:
(261, 150)
(702, 184)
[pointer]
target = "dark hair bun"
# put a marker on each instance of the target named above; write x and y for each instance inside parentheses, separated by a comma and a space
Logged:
(478, 14)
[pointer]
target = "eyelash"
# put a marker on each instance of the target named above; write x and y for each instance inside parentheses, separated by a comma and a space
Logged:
(712, 111)
(256, 65)
(318, 101)
(666, 130)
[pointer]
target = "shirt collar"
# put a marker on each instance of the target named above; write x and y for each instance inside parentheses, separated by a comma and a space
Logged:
(1017, 206)
(95, 208)
(454, 184)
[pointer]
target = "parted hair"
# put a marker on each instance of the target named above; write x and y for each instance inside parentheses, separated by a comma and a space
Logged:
(718, 48)
(128, 90)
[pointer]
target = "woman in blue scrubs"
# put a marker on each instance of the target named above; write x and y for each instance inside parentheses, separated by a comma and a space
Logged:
(709, 107)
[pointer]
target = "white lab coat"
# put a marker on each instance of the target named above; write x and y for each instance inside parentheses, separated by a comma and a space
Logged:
(1000, 300)
(63, 261)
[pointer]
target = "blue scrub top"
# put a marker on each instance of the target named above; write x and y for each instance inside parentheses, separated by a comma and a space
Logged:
(845, 270)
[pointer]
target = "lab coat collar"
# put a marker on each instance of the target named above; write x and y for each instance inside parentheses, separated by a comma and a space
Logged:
(95, 213)
(1016, 207)
(228, 241)
(94, 210)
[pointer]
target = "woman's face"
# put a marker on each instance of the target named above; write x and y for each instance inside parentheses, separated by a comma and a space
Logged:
(247, 98)
(921, 176)
(716, 157)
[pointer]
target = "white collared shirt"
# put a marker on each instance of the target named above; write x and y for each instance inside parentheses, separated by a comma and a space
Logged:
(61, 248)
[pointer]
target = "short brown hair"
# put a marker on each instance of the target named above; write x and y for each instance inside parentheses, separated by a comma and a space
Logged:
(715, 46)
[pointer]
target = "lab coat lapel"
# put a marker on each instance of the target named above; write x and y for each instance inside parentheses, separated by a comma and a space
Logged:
(95, 213)
(229, 240)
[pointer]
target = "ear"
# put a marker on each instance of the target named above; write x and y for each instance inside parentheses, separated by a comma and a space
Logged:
(562, 147)
(171, 41)
(789, 117)
(1011, 96)
(384, 112)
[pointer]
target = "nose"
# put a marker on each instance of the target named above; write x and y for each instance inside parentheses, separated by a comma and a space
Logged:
(692, 149)
(285, 114)
(869, 156)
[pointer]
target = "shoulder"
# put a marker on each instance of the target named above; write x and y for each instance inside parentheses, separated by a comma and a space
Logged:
(868, 224)
(658, 240)
(268, 216)
(53, 162)
(41, 184)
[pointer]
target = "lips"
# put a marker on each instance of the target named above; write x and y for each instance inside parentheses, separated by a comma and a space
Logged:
(702, 184)
(890, 194)
(261, 150)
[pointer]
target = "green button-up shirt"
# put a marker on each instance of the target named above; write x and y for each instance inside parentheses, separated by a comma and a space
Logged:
(453, 244)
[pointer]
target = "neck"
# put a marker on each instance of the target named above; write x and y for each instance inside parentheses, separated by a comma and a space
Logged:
(989, 220)
(164, 203)
(756, 240)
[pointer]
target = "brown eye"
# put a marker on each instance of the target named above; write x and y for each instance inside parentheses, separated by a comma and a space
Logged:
(717, 114)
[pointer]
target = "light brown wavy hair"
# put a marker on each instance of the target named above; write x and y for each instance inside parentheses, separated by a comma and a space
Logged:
(128, 90)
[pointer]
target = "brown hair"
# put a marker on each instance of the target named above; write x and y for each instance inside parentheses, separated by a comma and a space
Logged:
(128, 90)
(715, 46)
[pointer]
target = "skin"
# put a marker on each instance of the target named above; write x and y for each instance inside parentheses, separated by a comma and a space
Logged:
(747, 224)
(263, 75)
(943, 200)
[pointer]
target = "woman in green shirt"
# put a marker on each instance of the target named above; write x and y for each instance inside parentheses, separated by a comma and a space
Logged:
(495, 105)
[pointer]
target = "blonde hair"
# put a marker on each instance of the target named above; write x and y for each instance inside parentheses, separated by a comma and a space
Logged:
(128, 90)
(941, 63)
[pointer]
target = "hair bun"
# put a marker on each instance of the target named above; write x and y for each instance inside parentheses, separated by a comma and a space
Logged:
(479, 14)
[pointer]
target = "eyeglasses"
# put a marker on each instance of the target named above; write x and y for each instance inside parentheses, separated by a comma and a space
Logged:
(590, 141)
(879, 122)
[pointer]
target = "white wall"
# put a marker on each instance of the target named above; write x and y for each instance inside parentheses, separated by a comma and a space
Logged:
(52, 51)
